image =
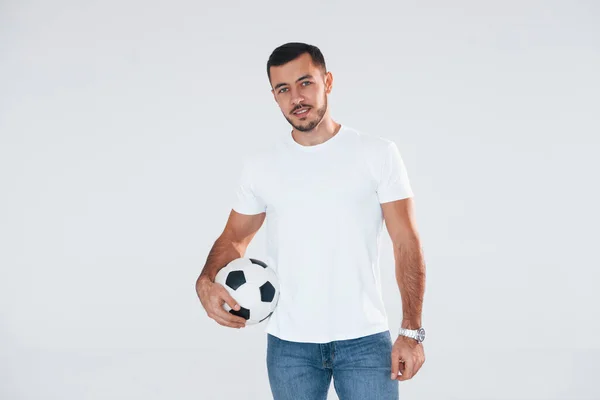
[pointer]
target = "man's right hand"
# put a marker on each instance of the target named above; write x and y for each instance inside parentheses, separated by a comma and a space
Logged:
(212, 296)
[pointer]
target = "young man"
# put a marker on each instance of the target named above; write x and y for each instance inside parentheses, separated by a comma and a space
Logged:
(325, 190)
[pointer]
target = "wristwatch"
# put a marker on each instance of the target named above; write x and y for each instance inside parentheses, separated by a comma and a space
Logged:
(418, 334)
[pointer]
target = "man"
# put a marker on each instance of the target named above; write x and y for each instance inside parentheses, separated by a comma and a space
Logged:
(325, 190)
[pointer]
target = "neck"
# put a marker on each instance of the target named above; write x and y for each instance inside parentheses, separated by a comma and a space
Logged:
(326, 129)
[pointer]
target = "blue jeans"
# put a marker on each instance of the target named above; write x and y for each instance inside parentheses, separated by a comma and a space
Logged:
(360, 368)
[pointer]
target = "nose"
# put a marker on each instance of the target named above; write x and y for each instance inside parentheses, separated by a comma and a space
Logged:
(296, 99)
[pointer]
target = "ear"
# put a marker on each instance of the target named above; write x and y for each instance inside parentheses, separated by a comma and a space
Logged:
(328, 82)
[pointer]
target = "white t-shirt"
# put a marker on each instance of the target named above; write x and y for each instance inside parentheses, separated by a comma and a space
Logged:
(324, 222)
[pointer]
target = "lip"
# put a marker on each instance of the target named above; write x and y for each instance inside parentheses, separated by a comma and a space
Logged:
(309, 109)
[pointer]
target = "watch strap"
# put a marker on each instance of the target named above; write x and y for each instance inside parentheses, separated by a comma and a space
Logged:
(413, 334)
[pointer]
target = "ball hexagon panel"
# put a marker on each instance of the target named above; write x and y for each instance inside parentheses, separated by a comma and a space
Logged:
(247, 296)
(255, 274)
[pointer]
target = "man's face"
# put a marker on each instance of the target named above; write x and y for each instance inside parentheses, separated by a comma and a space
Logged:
(300, 89)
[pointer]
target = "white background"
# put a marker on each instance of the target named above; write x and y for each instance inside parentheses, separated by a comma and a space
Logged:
(122, 129)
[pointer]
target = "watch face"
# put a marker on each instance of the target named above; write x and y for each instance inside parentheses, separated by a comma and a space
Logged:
(421, 334)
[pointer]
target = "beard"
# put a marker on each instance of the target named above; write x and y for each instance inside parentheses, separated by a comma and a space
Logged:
(310, 125)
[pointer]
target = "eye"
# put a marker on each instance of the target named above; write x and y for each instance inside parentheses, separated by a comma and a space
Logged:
(281, 90)
(309, 82)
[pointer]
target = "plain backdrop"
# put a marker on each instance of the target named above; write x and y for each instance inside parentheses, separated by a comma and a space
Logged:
(123, 125)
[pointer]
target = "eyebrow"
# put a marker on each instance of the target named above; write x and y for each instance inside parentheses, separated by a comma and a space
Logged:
(307, 76)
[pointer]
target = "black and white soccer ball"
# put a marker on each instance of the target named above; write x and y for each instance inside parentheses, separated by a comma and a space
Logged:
(255, 287)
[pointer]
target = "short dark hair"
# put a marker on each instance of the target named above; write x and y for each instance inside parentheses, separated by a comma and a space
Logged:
(290, 51)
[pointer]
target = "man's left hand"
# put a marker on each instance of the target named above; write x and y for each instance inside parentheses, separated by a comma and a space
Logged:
(407, 358)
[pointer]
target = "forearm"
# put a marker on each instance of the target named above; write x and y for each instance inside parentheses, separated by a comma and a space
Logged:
(224, 251)
(410, 276)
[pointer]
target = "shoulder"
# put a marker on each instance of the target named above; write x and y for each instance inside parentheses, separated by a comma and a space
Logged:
(260, 158)
(372, 144)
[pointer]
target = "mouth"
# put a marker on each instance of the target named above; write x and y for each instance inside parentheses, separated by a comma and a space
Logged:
(302, 112)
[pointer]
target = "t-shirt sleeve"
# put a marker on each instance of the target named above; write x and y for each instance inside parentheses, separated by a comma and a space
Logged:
(393, 181)
(246, 200)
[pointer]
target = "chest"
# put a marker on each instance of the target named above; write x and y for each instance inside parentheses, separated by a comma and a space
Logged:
(343, 183)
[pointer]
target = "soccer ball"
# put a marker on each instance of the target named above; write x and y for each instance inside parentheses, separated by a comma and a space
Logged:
(254, 286)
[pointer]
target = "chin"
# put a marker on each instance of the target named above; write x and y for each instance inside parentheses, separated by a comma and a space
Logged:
(307, 127)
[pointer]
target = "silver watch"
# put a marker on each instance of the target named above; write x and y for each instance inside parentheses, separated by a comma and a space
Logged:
(418, 334)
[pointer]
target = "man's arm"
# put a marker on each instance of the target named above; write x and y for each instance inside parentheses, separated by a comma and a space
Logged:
(231, 244)
(410, 266)
(239, 230)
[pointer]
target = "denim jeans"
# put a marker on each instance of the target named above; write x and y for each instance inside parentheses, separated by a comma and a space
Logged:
(360, 368)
